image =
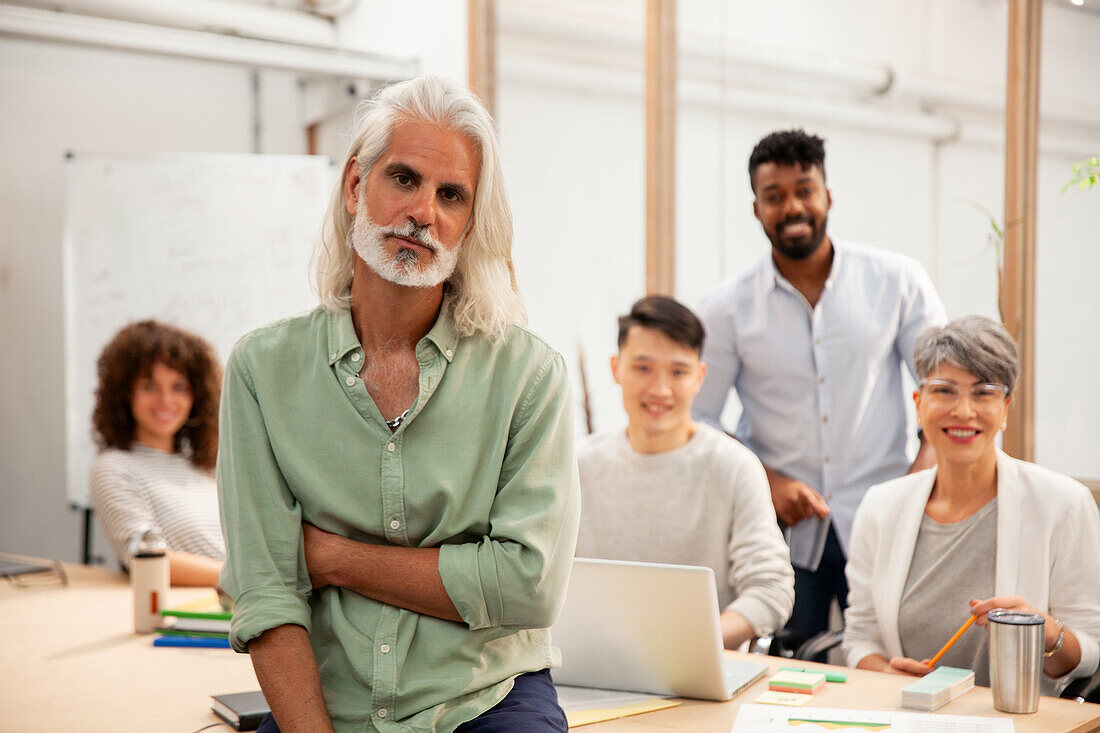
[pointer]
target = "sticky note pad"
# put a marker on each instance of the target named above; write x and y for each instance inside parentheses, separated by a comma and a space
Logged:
(938, 687)
(806, 683)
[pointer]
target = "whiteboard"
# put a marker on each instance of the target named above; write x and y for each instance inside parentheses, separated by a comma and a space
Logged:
(215, 244)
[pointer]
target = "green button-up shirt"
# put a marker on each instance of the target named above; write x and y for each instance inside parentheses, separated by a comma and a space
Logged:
(481, 468)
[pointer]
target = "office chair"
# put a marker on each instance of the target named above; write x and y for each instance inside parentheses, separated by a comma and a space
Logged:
(1083, 689)
(784, 643)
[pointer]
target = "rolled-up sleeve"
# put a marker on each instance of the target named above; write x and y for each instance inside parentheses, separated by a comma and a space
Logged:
(265, 569)
(517, 574)
(760, 564)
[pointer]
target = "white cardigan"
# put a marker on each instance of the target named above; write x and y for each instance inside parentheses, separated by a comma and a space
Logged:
(1048, 552)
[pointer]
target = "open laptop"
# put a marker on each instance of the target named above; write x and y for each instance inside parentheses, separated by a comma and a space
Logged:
(645, 627)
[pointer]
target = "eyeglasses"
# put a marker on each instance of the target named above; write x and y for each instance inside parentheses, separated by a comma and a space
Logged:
(945, 393)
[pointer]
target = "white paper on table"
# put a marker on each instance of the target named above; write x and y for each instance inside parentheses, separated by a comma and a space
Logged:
(769, 719)
(573, 699)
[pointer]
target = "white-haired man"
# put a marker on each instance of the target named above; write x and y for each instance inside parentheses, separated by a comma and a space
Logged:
(398, 489)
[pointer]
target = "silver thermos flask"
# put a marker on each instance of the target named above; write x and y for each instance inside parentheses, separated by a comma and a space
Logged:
(149, 579)
(1015, 659)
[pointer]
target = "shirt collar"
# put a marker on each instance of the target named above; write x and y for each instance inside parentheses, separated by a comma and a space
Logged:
(444, 334)
(773, 276)
(343, 339)
(341, 335)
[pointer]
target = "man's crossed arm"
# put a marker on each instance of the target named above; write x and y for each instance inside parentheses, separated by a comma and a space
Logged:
(406, 577)
(399, 576)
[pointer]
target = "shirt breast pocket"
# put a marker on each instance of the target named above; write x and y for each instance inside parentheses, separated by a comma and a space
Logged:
(861, 331)
(777, 354)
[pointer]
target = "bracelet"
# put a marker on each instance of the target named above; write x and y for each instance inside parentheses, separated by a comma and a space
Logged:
(1061, 637)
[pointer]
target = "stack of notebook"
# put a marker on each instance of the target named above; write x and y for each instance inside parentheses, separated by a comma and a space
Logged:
(938, 687)
(806, 683)
(208, 627)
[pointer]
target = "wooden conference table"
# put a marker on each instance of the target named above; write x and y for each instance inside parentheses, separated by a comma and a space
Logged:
(69, 661)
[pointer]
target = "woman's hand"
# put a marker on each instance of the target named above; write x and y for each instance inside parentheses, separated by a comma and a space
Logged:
(905, 665)
(897, 665)
(981, 609)
(1060, 662)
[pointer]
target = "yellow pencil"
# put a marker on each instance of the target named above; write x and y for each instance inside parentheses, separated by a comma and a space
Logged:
(932, 662)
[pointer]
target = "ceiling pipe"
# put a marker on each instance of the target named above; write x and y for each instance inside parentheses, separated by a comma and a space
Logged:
(698, 55)
(44, 25)
(227, 17)
(577, 39)
(630, 84)
(330, 8)
(327, 8)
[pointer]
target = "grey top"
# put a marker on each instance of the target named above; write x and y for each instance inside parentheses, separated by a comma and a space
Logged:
(952, 564)
(703, 503)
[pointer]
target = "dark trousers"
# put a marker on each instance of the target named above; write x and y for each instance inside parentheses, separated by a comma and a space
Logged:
(814, 592)
(531, 706)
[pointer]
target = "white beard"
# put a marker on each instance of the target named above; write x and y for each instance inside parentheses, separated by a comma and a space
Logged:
(403, 268)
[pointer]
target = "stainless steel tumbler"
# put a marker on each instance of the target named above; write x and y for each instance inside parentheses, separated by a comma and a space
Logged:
(1015, 660)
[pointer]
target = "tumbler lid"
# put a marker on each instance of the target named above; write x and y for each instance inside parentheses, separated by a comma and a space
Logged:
(1016, 618)
(151, 544)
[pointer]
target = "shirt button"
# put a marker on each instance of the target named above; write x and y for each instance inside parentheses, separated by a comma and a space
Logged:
(821, 381)
(450, 353)
(817, 341)
(381, 712)
(356, 356)
(826, 459)
(350, 381)
(385, 648)
(391, 447)
(825, 418)
(394, 524)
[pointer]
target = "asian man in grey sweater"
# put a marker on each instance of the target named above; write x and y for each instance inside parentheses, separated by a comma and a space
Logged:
(670, 490)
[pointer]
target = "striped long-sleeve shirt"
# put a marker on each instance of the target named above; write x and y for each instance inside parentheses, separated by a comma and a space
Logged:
(145, 488)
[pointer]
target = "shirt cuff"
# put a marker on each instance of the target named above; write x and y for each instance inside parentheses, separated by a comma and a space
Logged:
(857, 649)
(1090, 651)
(463, 579)
(760, 615)
(259, 609)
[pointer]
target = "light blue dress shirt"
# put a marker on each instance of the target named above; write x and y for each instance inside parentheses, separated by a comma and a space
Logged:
(820, 387)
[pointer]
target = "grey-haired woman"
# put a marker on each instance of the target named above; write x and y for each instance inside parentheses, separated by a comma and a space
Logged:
(979, 531)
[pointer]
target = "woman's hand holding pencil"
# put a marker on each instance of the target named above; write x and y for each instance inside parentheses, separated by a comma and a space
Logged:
(905, 665)
(939, 655)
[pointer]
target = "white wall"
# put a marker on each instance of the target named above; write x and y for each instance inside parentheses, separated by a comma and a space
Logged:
(571, 115)
(58, 98)
(902, 167)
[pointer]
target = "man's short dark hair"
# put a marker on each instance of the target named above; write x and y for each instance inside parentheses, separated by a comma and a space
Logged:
(788, 147)
(668, 316)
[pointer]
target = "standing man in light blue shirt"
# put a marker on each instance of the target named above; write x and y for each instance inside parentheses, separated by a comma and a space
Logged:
(813, 338)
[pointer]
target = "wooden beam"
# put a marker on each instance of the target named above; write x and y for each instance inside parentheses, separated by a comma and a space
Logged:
(660, 133)
(312, 132)
(1017, 294)
(481, 30)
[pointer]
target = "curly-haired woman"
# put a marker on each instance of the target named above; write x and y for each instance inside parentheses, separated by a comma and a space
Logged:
(156, 423)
